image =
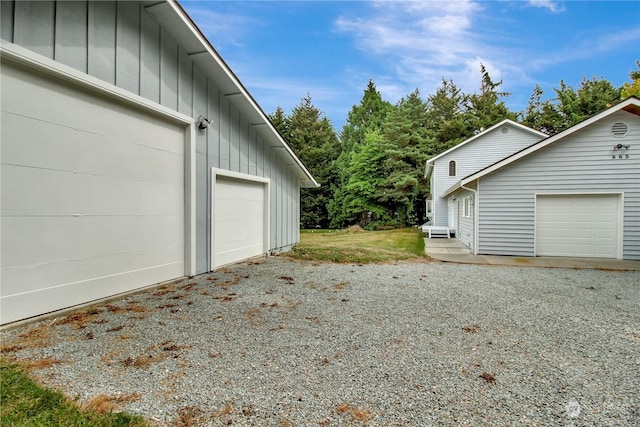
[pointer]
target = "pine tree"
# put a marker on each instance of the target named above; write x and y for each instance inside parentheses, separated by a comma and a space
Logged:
(542, 115)
(366, 178)
(408, 142)
(593, 96)
(486, 108)
(313, 139)
(446, 114)
(363, 118)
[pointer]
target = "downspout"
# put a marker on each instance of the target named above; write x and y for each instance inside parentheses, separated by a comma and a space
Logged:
(475, 216)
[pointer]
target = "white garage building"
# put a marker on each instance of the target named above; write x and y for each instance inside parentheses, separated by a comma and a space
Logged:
(130, 155)
(573, 194)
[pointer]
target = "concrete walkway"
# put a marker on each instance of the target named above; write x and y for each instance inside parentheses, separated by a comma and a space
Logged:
(452, 250)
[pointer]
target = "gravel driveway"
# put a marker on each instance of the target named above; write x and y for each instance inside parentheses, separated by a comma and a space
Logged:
(288, 343)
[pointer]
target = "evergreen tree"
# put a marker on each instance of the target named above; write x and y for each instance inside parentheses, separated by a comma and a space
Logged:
(367, 116)
(281, 122)
(542, 115)
(408, 141)
(313, 139)
(486, 108)
(593, 96)
(366, 178)
(633, 88)
(446, 118)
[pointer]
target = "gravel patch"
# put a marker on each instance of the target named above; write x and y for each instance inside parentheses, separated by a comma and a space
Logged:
(279, 342)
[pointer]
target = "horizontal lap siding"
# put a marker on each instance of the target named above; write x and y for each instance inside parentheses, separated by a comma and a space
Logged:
(122, 44)
(472, 157)
(579, 163)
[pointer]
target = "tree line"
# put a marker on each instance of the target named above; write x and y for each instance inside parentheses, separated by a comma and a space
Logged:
(372, 173)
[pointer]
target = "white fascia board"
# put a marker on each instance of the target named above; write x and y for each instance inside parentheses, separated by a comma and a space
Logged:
(633, 101)
(491, 129)
(308, 181)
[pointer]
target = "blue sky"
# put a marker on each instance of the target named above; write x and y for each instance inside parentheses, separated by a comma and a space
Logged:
(282, 50)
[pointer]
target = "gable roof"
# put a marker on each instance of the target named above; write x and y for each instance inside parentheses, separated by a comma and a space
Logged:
(431, 161)
(631, 105)
(174, 18)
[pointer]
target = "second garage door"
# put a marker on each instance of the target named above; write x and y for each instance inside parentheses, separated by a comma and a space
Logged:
(239, 219)
(578, 225)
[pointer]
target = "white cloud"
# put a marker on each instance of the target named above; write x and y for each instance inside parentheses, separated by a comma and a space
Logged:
(222, 28)
(424, 42)
(553, 6)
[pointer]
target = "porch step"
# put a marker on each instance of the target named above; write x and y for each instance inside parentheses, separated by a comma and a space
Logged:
(437, 231)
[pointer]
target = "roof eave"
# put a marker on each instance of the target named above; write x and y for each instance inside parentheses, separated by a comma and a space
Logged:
(187, 33)
(630, 105)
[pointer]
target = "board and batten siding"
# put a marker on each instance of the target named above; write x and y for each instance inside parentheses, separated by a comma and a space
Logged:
(580, 163)
(486, 150)
(121, 43)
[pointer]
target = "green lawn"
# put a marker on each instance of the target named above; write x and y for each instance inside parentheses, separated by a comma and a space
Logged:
(26, 403)
(359, 246)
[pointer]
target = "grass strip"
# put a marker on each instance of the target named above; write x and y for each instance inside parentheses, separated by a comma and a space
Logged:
(355, 245)
(26, 403)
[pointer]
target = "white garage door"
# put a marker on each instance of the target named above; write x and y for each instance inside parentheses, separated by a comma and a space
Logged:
(92, 196)
(239, 220)
(578, 225)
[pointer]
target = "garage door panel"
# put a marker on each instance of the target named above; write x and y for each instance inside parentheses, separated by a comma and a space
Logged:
(46, 147)
(94, 203)
(239, 220)
(577, 225)
(38, 191)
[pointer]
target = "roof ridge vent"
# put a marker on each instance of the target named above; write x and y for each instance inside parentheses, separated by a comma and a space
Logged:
(619, 130)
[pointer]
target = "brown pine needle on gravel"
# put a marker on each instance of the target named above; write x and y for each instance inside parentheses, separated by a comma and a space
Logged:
(361, 415)
(104, 404)
(224, 411)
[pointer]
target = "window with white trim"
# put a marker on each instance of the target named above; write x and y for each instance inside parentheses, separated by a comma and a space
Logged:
(466, 207)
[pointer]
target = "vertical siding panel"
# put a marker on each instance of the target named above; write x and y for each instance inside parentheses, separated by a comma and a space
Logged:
(34, 26)
(169, 72)
(71, 34)
(6, 20)
(102, 41)
(150, 58)
(260, 155)
(128, 46)
(234, 139)
(225, 133)
(245, 142)
(275, 199)
(253, 148)
(202, 227)
(203, 190)
(185, 84)
(215, 132)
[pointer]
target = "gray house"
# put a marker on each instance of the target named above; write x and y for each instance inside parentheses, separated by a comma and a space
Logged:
(131, 155)
(576, 193)
(477, 152)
